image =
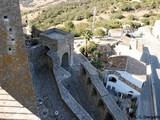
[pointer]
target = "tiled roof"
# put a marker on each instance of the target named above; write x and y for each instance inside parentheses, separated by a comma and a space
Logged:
(126, 63)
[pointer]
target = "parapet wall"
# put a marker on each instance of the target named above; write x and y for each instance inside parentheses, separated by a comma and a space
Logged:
(60, 75)
(104, 103)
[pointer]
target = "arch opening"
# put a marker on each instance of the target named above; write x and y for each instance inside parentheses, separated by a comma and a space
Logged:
(49, 60)
(94, 92)
(65, 61)
(101, 104)
(108, 116)
(88, 81)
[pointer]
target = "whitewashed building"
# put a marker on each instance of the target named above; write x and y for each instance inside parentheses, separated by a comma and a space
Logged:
(156, 29)
(115, 32)
(125, 74)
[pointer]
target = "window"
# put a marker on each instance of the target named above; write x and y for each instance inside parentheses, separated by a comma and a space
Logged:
(10, 29)
(5, 17)
(112, 79)
(9, 49)
(12, 39)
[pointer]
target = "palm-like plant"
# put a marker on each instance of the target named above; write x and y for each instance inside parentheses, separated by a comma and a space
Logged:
(87, 35)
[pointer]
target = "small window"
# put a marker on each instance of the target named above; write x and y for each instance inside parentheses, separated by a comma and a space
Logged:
(12, 39)
(112, 79)
(10, 29)
(5, 17)
(9, 49)
(130, 92)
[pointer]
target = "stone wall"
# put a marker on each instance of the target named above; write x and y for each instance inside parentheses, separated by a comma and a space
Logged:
(35, 32)
(61, 75)
(60, 42)
(104, 103)
(14, 69)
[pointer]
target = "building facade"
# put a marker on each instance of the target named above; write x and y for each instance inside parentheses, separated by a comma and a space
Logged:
(125, 74)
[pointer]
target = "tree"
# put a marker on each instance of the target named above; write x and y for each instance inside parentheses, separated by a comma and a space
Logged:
(69, 26)
(87, 35)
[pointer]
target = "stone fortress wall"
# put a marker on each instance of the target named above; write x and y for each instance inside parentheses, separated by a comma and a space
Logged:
(14, 69)
(58, 46)
(103, 101)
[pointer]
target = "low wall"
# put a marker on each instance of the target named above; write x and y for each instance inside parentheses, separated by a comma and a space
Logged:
(104, 103)
(60, 75)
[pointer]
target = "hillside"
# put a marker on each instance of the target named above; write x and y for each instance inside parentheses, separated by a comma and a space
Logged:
(108, 14)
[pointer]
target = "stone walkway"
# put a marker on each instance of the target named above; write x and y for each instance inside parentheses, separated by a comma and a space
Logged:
(77, 89)
(49, 101)
(12, 109)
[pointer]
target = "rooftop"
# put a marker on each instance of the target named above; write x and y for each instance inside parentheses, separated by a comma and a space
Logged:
(56, 34)
(128, 64)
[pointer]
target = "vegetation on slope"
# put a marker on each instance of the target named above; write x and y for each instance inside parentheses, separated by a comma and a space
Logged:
(115, 9)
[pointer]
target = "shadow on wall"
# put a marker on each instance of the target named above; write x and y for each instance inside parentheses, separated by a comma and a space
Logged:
(65, 61)
(96, 97)
(145, 55)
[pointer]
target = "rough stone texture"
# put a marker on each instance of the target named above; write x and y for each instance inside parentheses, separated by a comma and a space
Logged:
(14, 70)
(105, 104)
(60, 42)
(76, 108)
(48, 97)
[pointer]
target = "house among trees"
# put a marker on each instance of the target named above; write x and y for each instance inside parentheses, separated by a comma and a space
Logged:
(115, 32)
(125, 75)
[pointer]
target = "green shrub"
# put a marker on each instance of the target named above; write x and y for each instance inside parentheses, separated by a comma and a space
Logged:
(124, 6)
(91, 47)
(146, 15)
(113, 24)
(117, 16)
(145, 21)
(131, 17)
(99, 32)
(79, 17)
(69, 26)
(79, 28)
(135, 24)
(82, 50)
(87, 15)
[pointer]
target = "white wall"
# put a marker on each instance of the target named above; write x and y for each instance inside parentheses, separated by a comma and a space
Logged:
(124, 50)
(121, 86)
(156, 28)
(132, 78)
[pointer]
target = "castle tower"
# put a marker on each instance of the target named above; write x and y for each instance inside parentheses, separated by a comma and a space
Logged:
(14, 71)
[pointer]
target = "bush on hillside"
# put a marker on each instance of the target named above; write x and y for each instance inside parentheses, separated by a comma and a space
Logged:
(69, 26)
(135, 24)
(79, 17)
(124, 6)
(145, 21)
(87, 15)
(117, 16)
(99, 33)
(113, 24)
(135, 5)
(79, 28)
(131, 17)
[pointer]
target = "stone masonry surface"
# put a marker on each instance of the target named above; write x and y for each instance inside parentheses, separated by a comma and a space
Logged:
(14, 69)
